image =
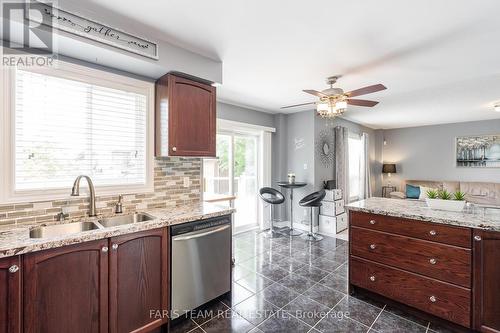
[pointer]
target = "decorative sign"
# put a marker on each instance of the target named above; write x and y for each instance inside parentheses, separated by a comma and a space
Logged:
(63, 20)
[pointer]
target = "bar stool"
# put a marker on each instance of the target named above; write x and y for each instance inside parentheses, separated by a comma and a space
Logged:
(312, 200)
(272, 197)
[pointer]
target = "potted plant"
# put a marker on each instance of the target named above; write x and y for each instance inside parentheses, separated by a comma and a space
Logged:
(444, 200)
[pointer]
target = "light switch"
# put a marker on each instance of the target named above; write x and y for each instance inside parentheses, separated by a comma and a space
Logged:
(305, 166)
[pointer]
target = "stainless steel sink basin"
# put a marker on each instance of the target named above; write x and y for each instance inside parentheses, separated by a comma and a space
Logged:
(125, 219)
(62, 229)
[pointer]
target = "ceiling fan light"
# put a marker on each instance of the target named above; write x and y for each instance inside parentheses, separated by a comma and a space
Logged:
(497, 107)
(341, 105)
(322, 107)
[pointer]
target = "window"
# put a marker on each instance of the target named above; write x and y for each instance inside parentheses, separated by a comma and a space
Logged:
(72, 120)
(355, 160)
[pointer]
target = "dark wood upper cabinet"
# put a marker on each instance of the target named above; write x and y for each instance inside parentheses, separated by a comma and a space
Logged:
(10, 295)
(185, 117)
(138, 281)
(486, 302)
(66, 289)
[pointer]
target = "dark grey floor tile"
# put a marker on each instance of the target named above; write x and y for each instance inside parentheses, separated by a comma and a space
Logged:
(334, 324)
(336, 256)
(182, 325)
(256, 309)
(278, 295)
(330, 243)
(272, 272)
(438, 328)
(255, 282)
(369, 300)
(358, 310)
(342, 270)
(390, 323)
(228, 323)
(290, 265)
(325, 264)
(208, 311)
(240, 271)
(283, 322)
(335, 282)
(302, 256)
(312, 273)
(406, 315)
(324, 295)
(296, 282)
(307, 310)
(237, 295)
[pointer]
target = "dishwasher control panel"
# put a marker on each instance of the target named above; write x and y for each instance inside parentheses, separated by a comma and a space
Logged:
(199, 225)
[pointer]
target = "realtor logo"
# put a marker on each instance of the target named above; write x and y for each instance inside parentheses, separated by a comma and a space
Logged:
(27, 34)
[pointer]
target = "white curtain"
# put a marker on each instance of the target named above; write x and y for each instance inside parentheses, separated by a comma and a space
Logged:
(365, 181)
(342, 160)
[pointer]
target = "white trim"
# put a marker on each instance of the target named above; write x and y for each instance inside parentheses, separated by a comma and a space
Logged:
(231, 125)
(83, 74)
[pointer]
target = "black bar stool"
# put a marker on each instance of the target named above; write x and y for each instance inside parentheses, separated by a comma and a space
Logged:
(312, 200)
(272, 197)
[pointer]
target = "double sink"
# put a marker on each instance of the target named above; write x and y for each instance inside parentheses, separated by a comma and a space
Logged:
(76, 227)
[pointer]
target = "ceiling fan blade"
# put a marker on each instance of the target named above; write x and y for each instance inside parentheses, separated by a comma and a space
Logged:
(292, 106)
(366, 90)
(315, 93)
(361, 102)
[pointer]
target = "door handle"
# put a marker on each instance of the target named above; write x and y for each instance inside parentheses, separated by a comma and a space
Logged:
(183, 238)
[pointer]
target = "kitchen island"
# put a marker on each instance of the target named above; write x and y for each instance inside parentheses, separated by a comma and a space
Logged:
(445, 264)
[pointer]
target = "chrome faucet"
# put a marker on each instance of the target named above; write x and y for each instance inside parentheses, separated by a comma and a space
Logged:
(75, 191)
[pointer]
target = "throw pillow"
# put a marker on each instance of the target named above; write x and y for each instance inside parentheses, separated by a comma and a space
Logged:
(412, 192)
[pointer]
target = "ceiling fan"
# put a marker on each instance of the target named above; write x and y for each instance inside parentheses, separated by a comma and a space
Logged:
(333, 101)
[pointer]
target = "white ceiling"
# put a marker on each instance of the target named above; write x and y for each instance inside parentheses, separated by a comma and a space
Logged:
(440, 59)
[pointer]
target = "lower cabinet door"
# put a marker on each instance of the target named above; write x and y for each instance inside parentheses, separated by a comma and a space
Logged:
(66, 289)
(486, 289)
(138, 281)
(10, 295)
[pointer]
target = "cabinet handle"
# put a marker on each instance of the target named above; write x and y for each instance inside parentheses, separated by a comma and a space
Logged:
(13, 268)
(372, 222)
(104, 249)
(477, 238)
(114, 246)
(433, 261)
(433, 299)
(373, 246)
(372, 278)
(174, 148)
(433, 233)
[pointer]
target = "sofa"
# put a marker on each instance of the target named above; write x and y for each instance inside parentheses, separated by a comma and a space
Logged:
(480, 193)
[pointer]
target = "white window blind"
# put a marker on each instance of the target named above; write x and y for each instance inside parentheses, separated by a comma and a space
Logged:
(355, 152)
(66, 127)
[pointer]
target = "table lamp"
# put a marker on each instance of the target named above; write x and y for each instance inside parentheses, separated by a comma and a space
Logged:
(389, 168)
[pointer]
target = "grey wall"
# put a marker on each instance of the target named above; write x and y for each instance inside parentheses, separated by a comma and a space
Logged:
(428, 152)
(244, 115)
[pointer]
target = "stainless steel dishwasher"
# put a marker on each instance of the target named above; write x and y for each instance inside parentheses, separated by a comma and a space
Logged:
(201, 263)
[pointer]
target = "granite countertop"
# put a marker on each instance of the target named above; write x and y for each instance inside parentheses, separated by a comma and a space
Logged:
(472, 217)
(14, 239)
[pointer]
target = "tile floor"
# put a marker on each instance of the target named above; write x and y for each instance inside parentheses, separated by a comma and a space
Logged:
(289, 285)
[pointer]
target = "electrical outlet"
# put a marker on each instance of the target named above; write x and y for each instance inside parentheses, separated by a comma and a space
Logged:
(186, 182)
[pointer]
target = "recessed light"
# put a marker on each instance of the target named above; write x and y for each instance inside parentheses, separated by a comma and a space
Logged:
(497, 107)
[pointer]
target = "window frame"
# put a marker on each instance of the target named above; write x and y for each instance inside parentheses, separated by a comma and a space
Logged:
(355, 136)
(70, 71)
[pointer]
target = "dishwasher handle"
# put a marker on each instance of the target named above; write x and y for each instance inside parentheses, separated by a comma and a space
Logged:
(200, 233)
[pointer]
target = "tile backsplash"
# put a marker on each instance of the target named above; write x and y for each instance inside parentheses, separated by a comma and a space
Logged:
(169, 191)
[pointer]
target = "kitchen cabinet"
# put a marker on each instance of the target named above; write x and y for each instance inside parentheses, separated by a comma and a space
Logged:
(185, 117)
(486, 285)
(66, 289)
(10, 295)
(138, 281)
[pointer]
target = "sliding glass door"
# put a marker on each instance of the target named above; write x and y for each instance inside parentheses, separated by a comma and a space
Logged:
(235, 172)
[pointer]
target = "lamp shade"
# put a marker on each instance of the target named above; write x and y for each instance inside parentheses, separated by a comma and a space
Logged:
(388, 168)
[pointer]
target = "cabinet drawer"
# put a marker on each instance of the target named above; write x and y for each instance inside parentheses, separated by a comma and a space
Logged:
(333, 195)
(332, 225)
(438, 298)
(332, 208)
(444, 262)
(425, 230)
